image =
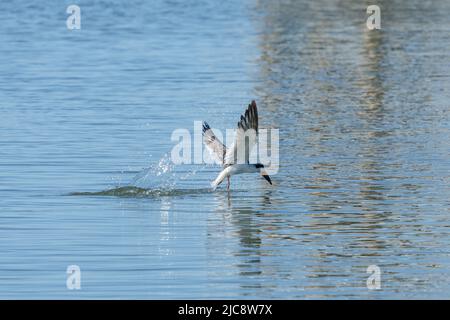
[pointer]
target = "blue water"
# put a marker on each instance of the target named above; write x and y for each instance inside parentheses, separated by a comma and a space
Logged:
(86, 116)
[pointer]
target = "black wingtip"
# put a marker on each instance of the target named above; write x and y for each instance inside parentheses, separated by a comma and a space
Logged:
(205, 126)
(252, 113)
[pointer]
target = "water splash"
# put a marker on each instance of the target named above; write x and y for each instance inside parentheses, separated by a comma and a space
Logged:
(160, 175)
(135, 192)
(160, 179)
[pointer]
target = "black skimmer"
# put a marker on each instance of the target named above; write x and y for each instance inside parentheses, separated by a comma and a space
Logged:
(235, 160)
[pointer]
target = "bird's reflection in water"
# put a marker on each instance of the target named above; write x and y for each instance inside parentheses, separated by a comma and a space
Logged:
(241, 219)
(247, 225)
(164, 247)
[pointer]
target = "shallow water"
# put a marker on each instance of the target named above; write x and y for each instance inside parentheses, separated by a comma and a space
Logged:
(85, 127)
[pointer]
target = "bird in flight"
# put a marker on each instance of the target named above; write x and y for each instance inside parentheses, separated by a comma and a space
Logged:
(235, 159)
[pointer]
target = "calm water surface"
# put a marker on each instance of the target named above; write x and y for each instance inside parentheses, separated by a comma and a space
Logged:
(364, 177)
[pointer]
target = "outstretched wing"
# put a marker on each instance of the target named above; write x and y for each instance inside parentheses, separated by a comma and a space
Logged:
(246, 137)
(215, 147)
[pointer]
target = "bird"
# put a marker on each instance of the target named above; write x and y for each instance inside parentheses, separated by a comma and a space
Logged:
(235, 159)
